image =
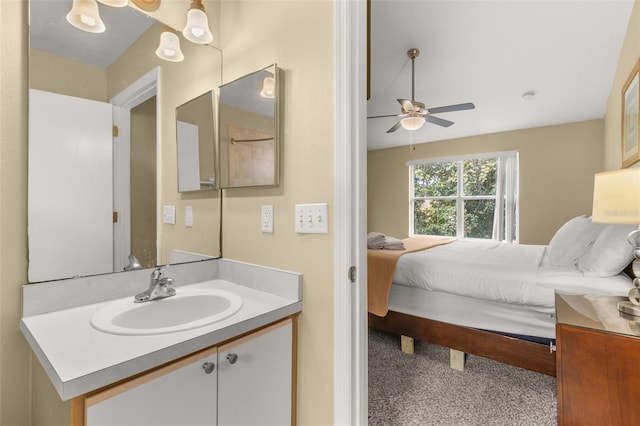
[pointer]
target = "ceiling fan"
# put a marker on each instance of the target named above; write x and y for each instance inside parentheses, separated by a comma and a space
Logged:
(414, 113)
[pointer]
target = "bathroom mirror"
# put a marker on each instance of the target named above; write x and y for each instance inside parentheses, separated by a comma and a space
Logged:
(86, 219)
(248, 130)
(195, 138)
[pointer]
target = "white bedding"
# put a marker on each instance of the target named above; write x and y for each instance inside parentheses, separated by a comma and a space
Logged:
(505, 273)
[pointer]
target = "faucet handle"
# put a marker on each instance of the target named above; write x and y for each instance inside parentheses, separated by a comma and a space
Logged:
(157, 274)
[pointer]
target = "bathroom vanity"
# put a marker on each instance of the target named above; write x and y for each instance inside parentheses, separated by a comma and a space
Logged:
(237, 370)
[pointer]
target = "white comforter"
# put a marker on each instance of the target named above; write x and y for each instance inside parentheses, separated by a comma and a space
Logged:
(507, 273)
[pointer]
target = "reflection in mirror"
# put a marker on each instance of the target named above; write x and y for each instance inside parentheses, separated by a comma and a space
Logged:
(248, 126)
(102, 164)
(196, 144)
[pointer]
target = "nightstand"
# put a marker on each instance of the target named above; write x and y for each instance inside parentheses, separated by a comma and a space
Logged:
(597, 362)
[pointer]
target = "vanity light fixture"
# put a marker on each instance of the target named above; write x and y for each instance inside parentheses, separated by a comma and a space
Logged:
(84, 15)
(268, 88)
(197, 28)
(413, 121)
(115, 3)
(169, 48)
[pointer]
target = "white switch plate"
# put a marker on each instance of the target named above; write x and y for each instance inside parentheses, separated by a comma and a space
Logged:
(188, 216)
(266, 219)
(312, 218)
(169, 215)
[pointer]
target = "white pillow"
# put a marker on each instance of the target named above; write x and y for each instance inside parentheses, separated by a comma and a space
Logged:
(572, 241)
(610, 253)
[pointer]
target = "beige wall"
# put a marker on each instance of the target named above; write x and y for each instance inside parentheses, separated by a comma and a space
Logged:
(53, 73)
(297, 35)
(557, 164)
(15, 355)
(629, 55)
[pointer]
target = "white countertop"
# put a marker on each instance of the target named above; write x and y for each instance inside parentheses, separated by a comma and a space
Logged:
(79, 358)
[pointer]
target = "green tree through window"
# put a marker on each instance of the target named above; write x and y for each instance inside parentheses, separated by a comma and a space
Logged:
(459, 197)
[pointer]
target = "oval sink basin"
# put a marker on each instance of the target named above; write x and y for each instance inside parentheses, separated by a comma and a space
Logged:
(188, 309)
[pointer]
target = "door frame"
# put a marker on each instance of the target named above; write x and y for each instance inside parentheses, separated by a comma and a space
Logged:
(138, 92)
(350, 170)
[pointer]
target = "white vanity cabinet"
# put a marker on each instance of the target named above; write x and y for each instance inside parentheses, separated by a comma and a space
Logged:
(252, 383)
(181, 393)
(255, 377)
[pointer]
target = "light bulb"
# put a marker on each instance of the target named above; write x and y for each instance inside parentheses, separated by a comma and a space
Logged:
(412, 122)
(268, 87)
(169, 48)
(197, 28)
(84, 15)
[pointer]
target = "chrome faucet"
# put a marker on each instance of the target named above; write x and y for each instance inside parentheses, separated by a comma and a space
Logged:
(158, 287)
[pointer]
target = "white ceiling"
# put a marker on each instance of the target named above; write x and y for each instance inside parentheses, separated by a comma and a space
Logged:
(490, 53)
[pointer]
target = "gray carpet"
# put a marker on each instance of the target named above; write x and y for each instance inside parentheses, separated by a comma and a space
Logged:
(422, 389)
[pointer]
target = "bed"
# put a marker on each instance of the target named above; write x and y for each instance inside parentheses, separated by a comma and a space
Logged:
(496, 300)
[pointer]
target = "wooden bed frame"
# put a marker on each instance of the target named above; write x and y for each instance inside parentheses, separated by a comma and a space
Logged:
(509, 350)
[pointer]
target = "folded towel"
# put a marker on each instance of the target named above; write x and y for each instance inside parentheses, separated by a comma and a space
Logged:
(392, 243)
(375, 240)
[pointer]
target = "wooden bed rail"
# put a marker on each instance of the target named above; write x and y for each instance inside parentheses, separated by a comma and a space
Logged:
(509, 350)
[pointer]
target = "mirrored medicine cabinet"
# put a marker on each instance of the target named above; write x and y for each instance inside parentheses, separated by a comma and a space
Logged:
(249, 130)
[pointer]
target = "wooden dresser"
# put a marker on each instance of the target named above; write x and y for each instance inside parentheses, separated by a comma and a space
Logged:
(597, 363)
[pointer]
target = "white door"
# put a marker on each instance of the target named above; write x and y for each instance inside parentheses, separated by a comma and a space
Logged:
(70, 190)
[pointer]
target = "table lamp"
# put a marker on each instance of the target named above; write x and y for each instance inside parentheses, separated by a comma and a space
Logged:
(616, 200)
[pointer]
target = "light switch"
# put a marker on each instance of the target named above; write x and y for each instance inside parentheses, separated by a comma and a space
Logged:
(312, 218)
(169, 215)
(188, 216)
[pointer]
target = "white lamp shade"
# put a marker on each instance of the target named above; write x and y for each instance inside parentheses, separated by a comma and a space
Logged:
(616, 197)
(169, 48)
(197, 28)
(84, 14)
(115, 3)
(268, 88)
(412, 122)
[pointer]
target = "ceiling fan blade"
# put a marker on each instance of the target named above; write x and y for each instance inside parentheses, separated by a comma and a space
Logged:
(394, 128)
(438, 121)
(407, 105)
(449, 108)
(390, 115)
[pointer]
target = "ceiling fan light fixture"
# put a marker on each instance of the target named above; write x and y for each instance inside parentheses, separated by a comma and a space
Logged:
(115, 3)
(169, 48)
(84, 15)
(197, 28)
(412, 122)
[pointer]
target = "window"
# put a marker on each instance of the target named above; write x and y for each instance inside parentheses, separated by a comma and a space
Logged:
(466, 197)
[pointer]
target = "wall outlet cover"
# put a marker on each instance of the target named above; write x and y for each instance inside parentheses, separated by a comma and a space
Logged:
(169, 215)
(266, 219)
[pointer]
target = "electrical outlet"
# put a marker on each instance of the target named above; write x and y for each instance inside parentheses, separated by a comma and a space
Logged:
(267, 219)
(312, 218)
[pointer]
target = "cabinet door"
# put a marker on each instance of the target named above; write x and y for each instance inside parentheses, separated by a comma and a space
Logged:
(255, 378)
(598, 380)
(182, 393)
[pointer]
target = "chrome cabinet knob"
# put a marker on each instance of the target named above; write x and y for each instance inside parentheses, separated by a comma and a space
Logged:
(232, 358)
(208, 367)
